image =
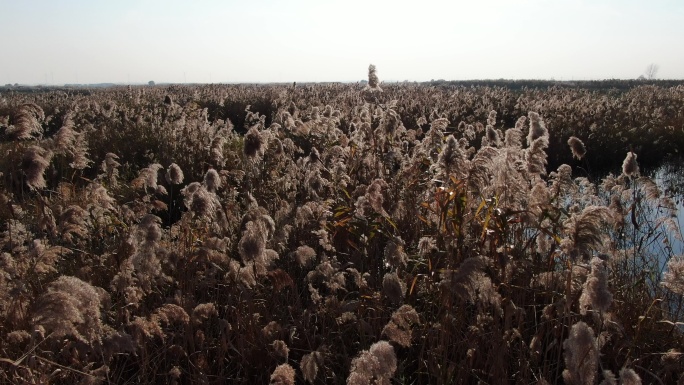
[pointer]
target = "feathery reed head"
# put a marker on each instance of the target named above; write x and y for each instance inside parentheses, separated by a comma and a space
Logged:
(374, 366)
(280, 349)
(426, 245)
(254, 144)
(673, 278)
(630, 167)
(174, 174)
(147, 177)
(393, 287)
(451, 160)
(304, 255)
(34, 162)
(283, 375)
(595, 293)
(373, 81)
(309, 365)
(27, 122)
(577, 147)
(537, 128)
(585, 231)
(212, 180)
(581, 355)
(70, 307)
(150, 229)
(395, 256)
(398, 330)
(629, 377)
(253, 242)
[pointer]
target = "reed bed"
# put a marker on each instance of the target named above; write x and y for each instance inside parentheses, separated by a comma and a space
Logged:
(339, 233)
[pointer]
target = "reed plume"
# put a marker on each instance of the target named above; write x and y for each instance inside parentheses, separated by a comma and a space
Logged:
(304, 255)
(310, 364)
(283, 375)
(630, 167)
(398, 329)
(254, 144)
(513, 136)
(393, 287)
(451, 160)
(585, 231)
(577, 147)
(373, 199)
(595, 293)
(374, 366)
(70, 307)
(73, 222)
(253, 242)
(629, 377)
(69, 142)
(110, 167)
(280, 349)
(537, 128)
(147, 178)
(212, 180)
(609, 378)
(174, 174)
(492, 137)
(673, 278)
(373, 81)
(463, 281)
(27, 122)
(581, 355)
(203, 312)
(426, 245)
(34, 162)
(395, 256)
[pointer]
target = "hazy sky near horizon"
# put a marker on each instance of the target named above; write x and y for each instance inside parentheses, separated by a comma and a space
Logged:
(125, 41)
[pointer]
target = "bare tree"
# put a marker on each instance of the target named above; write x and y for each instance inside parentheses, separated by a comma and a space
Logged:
(651, 71)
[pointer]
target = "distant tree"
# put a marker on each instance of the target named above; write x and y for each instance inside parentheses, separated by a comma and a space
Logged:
(651, 71)
(150, 83)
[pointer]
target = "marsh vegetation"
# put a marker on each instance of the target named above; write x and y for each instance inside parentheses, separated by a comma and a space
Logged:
(340, 233)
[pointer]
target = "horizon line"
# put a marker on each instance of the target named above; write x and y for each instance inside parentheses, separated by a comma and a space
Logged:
(562, 80)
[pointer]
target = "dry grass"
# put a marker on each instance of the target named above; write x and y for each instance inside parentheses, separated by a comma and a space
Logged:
(335, 234)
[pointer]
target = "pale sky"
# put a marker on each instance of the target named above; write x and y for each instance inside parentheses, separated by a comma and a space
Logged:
(125, 41)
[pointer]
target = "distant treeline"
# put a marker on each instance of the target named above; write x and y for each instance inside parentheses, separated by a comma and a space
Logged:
(593, 85)
(512, 84)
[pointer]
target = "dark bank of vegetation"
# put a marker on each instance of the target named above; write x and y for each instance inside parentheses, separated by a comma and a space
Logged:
(610, 116)
(602, 86)
(340, 233)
